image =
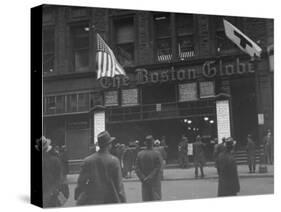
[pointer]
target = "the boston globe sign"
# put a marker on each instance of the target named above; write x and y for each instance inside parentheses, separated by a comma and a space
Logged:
(209, 69)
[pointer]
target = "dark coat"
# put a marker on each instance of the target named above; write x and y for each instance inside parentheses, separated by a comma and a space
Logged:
(182, 147)
(251, 148)
(100, 180)
(148, 167)
(52, 179)
(228, 176)
(162, 152)
(198, 152)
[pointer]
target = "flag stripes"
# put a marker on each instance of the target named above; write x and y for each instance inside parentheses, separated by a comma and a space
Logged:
(107, 64)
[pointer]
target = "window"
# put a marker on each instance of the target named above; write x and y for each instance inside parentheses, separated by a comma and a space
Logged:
(185, 36)
(80, 42)
(130, 97)
(60, 104)
(50, 104)
(223, 44)
(188, 92)
(72, 103)
(95, 99)
(207, 89)
(48, 50)
(83, 102)
(163, 41)
(111, 98)
(125, 38)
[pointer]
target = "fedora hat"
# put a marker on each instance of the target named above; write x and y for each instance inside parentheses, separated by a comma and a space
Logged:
(105, 139)
(43, 144)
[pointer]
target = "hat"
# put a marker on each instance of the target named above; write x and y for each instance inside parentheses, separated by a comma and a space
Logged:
(157, 142)
(43, 144)
(229, 142)
(149, 138)
(104, 139)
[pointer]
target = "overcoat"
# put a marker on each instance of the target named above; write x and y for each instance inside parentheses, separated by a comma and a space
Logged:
(228, 177)
(100, 180)
(148, 167)
(198, 152)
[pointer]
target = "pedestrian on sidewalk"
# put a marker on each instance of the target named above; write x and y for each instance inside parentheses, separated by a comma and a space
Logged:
(163, 154)
(251, 152)
(148, 166)
(219, 147)
(199, 156)
(182, 151)
(228, 176)
(100, 179)
(268, 147)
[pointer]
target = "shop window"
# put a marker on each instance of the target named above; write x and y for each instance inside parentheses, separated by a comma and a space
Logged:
(163, 93)
(130, 97)
(50, 104)
(111, 98)
(48, 50)
(60, 104)
(72, 103)
(163, 41)
(125, 38)
(188, 92)
(207, 89)
(83, 102)
(80, 44)
(185, 36)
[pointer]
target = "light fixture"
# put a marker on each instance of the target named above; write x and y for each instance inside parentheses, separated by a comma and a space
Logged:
(185, 120)
(206, 118)
(87, 29)
(189, 121)
(211, 121)
(189, 128)
(194, 129)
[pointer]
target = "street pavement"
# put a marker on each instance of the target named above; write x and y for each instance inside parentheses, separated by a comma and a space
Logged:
(180, 184)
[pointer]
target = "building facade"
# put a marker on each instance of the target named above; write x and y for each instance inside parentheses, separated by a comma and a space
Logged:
(184, 77)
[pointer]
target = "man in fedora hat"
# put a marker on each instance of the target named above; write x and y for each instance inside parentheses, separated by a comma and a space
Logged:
(251, 152)
(227, 169)
(148, 166)
(100, 179)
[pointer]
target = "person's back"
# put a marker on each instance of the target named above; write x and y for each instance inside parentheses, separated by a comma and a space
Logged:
(198, 150)
(251, 147)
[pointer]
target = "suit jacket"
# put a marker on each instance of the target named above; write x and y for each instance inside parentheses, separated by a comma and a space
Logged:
(198, 152)
(228, 175)
(100, 180)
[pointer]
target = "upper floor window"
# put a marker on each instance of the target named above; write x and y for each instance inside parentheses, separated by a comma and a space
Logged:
(80, 44)
(48, 50)
(185, 35)
(223, 44)
(125, 40)
(163, 39)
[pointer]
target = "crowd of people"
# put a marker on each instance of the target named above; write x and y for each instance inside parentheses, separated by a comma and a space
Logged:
(100, 180)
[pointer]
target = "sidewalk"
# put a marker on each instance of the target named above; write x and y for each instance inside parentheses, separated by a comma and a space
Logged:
(188, 174)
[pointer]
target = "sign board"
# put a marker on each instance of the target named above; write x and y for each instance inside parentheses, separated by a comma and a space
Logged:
(130, 97)
(207, 89)
(260, 119)
(111, 98)
(223, 119)
(158, 107)
(190, 149)
(187, 92)
(99, 123)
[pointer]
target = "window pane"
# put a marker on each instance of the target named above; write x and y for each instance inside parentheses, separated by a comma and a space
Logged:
(184, 24)
(96, 99)
(72, 103)
(81, 59)
(130, 97)
(83, 102)
(48, 62)
(185, 47)
(80, 37)
(164, 50)
(162, 25)
(111, 98)
(207, 89)
(51, 105)
(125, 54)
(60, 103)
(125, 30)
(188, 92)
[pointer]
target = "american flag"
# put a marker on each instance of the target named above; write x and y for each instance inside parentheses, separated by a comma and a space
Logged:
(107, 64)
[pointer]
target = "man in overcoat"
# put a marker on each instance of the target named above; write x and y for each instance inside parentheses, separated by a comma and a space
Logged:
(199, 156)
(228, 176)
(182, 151)
(100, 179)
(148, 166)
(251, 152)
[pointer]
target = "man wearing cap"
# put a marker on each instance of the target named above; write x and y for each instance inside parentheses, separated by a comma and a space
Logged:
(251, 151)
(148, 166)
(227, 169)
(100, 179)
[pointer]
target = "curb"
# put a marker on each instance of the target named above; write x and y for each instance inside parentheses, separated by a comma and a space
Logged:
(192, 178)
